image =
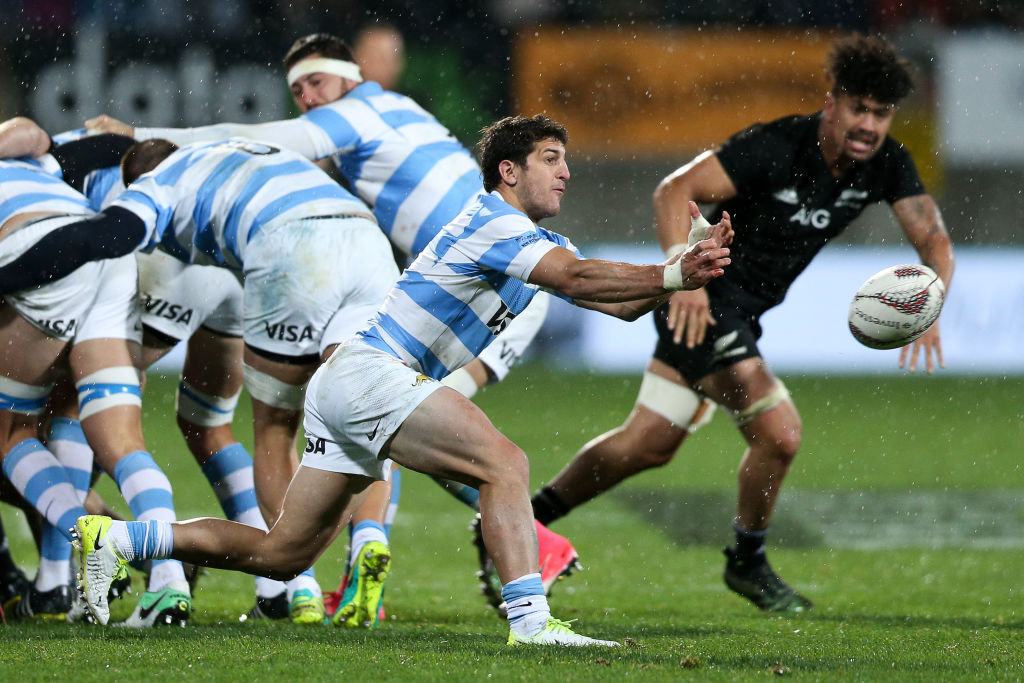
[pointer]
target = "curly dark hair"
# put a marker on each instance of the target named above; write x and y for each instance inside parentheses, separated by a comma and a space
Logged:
(513, 138)
(323, 44)
(143, 157)
(869, 67)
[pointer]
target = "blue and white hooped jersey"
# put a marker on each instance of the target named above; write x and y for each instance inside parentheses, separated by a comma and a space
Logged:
(103, 186)
(399, 159)
(33, 185)
(463, 289)
(205, 202)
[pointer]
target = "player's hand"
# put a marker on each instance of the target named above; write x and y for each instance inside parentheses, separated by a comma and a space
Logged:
(930, 344)
(705, 260)
(108, 124)
(689, 314)
(720, 233)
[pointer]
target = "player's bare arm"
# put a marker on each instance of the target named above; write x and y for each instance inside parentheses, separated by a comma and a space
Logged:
(921, 220)
(628, 291)
(701, 180)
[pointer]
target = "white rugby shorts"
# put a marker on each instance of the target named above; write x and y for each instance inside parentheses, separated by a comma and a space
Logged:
(314, 282)
(177, 298)
(115, 312)
(355, 402)
(59, 307)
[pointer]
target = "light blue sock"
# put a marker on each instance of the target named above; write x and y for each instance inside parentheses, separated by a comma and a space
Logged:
(229, 472)
(527, 604)
(40, 479)
(466, 495)
(396, 495)
(68, 444)
(148, 492)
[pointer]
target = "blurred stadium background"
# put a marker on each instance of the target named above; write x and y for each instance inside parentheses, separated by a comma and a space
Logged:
(642, 87)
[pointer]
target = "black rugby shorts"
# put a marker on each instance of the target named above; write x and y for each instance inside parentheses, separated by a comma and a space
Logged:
(732, 339)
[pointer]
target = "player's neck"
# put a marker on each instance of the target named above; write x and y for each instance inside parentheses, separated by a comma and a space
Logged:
(831, 154)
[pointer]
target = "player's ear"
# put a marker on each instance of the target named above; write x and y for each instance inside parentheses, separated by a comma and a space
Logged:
(830, 101)
(509, 172)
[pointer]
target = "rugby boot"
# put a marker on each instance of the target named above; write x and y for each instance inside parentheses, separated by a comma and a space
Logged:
(754, 579)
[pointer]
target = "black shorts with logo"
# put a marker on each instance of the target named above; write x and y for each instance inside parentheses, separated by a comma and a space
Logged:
(732, 339)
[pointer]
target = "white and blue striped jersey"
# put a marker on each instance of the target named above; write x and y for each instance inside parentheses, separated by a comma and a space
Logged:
(103, 186)
(400, 160)
(205, 202)
(30, 186)
(395, 155)
(463, 289)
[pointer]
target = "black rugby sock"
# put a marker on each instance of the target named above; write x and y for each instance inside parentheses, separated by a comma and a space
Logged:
(749, 544)
(547, 506)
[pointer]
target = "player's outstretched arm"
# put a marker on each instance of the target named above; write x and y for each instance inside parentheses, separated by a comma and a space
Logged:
(297, 135)
(628, 291)
(921, 220)
(702, 180)
(22, 137)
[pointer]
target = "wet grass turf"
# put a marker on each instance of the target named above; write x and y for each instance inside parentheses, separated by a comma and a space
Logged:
(941, 601)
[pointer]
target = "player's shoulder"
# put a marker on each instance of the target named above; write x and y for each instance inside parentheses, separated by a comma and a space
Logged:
(791, 129)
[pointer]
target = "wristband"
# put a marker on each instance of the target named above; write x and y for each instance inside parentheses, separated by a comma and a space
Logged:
(698, 230)
(672, 278)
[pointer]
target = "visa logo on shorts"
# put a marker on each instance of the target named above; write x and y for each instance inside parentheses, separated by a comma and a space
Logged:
(315, 445)
(65, 327)
(165, 309)
(291, 333)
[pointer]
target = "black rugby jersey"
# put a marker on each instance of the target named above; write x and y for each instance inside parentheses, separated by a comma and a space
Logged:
(789, 205)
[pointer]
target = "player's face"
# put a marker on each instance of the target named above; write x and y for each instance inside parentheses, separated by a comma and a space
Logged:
(542, 180)
(317, 89)
(857, 126)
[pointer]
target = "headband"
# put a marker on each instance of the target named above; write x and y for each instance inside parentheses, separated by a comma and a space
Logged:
(324, 65)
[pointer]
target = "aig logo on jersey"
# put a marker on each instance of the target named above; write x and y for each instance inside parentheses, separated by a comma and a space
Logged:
(817, 218)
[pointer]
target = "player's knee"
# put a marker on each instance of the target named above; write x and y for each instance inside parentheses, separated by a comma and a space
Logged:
(284, 564)
(507, 466)
(787, 443)
(781, 441)
(659, 455)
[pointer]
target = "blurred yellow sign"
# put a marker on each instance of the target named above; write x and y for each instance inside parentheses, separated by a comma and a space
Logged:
(654, 92)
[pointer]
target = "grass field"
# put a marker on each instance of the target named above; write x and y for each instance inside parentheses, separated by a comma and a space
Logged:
(901, 519)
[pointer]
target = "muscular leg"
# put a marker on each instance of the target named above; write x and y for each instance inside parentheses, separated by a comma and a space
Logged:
(773, 437)
(274, 432)
(316, 503)
(213, 366)
(645, 440)
(483, 458)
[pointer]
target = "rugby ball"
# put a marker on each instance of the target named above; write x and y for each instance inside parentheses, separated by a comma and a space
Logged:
(896, 306)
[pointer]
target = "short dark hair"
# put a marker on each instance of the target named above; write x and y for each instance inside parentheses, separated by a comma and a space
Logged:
(868, 67)
(143, 157)
(323, 44)
(513, 138)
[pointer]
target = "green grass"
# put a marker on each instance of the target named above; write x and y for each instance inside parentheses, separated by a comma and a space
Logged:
(900, 519)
